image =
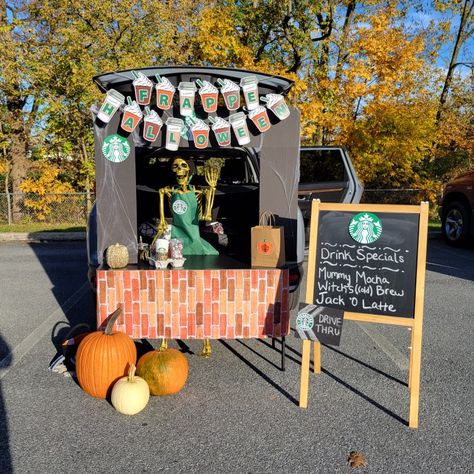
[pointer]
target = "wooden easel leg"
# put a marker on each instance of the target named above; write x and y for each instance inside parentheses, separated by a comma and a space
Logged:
(414, 377)
(304, 377)
(317, 357)
(411, 351)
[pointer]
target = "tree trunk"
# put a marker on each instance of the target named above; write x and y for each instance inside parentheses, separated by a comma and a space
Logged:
(7, 186)
(19, 169)
(466, 12)
(343, 40)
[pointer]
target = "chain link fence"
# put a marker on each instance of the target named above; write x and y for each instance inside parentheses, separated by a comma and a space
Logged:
(48, 208)
(73, 208)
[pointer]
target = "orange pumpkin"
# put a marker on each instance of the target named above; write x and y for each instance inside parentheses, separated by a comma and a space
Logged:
(103, 357)
(166, 372)
(265, 247)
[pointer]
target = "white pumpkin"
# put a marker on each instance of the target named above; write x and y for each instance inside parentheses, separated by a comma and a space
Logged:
(130, 394)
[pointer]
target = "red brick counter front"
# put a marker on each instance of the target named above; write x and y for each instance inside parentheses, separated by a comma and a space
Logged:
(196, 304)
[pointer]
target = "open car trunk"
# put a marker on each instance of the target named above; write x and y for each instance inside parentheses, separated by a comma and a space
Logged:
(236, 201)
(262, 176)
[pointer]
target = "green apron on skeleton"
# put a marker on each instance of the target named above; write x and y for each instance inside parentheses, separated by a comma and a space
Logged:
(185, 227)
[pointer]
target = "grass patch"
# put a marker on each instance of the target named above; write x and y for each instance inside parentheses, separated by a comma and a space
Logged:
(37, 227)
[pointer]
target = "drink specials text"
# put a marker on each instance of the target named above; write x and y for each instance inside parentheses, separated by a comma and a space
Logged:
(359, 276)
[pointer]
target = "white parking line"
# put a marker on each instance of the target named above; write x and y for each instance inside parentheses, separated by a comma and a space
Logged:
(397, 357)
(25, 346)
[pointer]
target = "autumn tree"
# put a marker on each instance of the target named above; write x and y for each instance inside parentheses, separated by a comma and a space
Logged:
(364, 73)
(19, 96)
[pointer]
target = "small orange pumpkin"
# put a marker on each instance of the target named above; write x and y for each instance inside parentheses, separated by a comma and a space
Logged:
(103, 357)
(166, 372)
(265, 247)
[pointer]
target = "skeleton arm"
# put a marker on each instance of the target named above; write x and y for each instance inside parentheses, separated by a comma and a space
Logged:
(162, 226)
(211, 175)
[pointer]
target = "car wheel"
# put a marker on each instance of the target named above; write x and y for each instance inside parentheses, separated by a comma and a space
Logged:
(456, 223)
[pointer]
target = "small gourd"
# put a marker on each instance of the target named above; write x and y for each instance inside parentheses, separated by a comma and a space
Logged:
(130, 394)
(117, 256)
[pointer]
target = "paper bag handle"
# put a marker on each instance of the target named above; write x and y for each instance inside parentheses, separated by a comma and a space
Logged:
(266, 218)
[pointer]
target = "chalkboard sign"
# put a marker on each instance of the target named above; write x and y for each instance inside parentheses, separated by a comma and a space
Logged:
(366, 262)
(319, 323)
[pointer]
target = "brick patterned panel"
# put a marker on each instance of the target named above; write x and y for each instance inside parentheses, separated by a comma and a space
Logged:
(195, 304)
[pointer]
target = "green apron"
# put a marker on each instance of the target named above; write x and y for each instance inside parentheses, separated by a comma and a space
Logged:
(184, 208)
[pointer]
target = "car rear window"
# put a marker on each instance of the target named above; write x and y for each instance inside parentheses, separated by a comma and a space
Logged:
(321, 165)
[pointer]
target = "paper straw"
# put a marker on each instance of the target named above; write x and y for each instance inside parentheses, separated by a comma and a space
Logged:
(158, 77)
(129, 100)
(147, 111)
(199, 82)
(135, 74)
(212, 120)
(264, 99)
(220, 82)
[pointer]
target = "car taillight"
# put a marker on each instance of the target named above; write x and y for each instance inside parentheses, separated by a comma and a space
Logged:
(294, 278)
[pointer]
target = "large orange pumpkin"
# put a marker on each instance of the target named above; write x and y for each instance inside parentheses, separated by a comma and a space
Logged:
(103, 357)
(165, 371)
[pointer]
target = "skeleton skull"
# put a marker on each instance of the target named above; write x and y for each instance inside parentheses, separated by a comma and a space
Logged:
(181, 169)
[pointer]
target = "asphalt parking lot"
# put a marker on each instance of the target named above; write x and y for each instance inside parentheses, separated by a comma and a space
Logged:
(238, 412)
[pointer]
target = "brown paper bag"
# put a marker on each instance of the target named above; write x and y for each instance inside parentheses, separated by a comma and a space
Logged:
(268, 243)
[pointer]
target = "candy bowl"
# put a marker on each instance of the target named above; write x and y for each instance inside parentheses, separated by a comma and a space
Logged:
(177, 262)
(159, 264)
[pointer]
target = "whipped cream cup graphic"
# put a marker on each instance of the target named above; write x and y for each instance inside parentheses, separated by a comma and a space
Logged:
(164, 93)
(112, 102)
(200, 131)
(221, 129)
(276, 103)
(152, 125)
(132, 115)
(260, 118)
(209, 96)
(249, 86)
(231, 93)
(174, 126)
(143, 88)
(239, 125)
(187, 95)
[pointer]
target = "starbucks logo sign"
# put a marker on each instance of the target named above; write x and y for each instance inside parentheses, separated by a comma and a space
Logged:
(116, 148)
(365, 228)
(304, 321)
(180, 207)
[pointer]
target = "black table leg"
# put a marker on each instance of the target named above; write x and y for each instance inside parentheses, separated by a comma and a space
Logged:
(283, 353)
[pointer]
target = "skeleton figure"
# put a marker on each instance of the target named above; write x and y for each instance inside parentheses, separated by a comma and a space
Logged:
(187, 204)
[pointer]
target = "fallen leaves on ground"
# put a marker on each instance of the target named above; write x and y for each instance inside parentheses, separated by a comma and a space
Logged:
(356, 459)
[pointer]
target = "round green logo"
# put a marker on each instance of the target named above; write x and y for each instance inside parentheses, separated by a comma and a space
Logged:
(116, 148)
(365, 228)
(304, 321)
(180, 207)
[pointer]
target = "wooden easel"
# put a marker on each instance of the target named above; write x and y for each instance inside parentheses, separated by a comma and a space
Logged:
(415, 323)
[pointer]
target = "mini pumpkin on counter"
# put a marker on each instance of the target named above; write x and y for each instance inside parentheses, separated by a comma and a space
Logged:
(116, 256)
(103, 357)
(130, 394)
(166, 372)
